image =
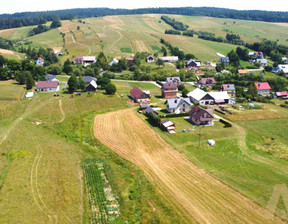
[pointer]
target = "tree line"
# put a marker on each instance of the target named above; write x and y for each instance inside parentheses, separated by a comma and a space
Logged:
(36, 18)
(175, 24)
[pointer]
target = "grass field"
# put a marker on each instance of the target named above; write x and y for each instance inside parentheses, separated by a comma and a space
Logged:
(43, 143)
(126, 35)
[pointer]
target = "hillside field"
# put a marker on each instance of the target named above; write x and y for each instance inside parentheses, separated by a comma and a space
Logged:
(125, 35)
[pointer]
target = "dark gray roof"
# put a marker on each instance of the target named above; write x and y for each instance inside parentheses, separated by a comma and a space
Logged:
(50, 77)
(88, 79)
(149, 109)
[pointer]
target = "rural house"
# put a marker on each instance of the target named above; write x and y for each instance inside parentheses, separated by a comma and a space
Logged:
(130, 61)
(91, 87)
(40, 61)
(224, 60)
(263, 88)
(281, 67)
(193, 63)
(207, 82)
(210, 98)
(169, 58)
(139, 96)
(78, 59)
(169, 90)
(230, 88)
(150, 59)
(113, 62)
(51, 77)
(87, 79)
(168, 125)
(175, 80)
(49, 86)
(200, 116)
(282, 94)
(178, 105)
(262, 61)
(257, 55)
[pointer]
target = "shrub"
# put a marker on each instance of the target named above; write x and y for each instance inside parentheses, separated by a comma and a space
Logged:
(226, 123)
(110, 88)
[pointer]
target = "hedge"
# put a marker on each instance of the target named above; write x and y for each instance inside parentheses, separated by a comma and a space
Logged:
(159, 83)
(174, 115)
(220, 111)
(227, 124)
(284, 105)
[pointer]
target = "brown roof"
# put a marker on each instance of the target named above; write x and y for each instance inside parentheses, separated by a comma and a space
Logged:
(138, 93)
(197, 112)
(209, 80)
(169, 85)
(47, 84)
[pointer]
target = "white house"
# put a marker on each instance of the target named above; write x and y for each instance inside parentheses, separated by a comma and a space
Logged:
(178, 105)
(263, 88)
(150, 59)
(114, 62)
(281, 67)
(210, 98)
(263, 61)
(40, 61)
(49, 86)
(169, 58)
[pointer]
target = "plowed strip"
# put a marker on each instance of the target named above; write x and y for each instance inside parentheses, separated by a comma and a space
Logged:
(197, 196)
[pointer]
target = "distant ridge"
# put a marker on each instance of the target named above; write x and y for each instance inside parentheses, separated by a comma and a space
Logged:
(35, 18)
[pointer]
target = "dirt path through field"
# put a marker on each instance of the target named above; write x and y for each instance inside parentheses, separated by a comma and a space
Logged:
(141, 46)
(197, 196)
(62, 112)
(85, 45)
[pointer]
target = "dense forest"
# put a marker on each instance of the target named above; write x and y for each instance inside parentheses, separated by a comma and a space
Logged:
(36, 18)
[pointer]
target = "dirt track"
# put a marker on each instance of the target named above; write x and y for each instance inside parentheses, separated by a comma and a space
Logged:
(197, 196)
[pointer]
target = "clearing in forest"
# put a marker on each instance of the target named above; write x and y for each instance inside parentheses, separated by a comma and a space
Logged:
(197, 196)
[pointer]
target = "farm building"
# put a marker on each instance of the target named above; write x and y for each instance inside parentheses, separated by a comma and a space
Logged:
(200, 116)
(285, 60)
(150, 59)
(169, 90)
(230, 88)
(150, 110)
(88, 79)
(169, 58)
(168, 125)
(51, 77)
(263, 87)
(91, 87)
(84, 60)
(49, 86)
(113, 62)
(220, 97)
(175, 80)
(40, 61)
(139, 96)
(207, 82)
(282, 94)
(178, 105)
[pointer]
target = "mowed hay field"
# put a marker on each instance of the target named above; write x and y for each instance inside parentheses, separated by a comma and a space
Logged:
(196, 195)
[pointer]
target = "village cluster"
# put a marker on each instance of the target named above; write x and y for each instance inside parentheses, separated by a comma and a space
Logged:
(198, 104)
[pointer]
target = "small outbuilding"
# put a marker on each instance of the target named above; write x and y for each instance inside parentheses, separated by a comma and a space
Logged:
(168, 125)
(91, 87)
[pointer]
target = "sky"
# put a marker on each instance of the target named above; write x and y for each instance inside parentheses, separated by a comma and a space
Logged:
(12, 6)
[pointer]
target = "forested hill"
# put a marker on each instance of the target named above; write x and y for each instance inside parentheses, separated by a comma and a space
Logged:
(36, 18)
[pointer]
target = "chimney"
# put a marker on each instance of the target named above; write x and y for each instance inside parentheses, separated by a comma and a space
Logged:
(259, 84)
(175, 101)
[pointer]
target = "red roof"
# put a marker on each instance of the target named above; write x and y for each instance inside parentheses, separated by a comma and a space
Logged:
(262, 85)
(130, 59)
(41, 59)
(47, 84)
(283, 93)
(138, 93)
